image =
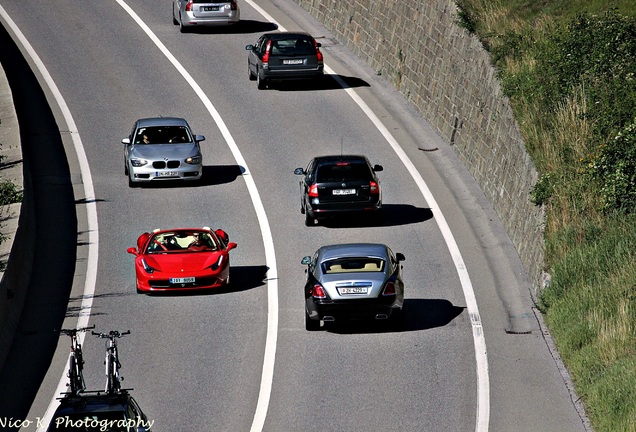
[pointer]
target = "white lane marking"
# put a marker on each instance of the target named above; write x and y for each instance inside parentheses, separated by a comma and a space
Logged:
(481, 357)
(267, 375)
(91, 207)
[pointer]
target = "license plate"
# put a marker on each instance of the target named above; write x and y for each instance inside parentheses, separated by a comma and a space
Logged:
(353, 290)
(344, 192)
(209, 8)
(182, 280)
(167, 174)
(293, 61)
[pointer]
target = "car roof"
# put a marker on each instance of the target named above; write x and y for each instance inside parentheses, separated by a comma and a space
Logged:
(285, 35)
(352, 250)
(161, 121)
(94, 402)
(340, 158)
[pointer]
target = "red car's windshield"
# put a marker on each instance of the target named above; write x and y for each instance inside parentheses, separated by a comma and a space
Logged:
(179, 241)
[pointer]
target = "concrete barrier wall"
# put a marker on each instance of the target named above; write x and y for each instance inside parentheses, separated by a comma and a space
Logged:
(17, 223)
(445, 72)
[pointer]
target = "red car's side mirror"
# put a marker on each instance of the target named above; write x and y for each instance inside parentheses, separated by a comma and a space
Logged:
(141, 241)
(132, 250)
(231, 245)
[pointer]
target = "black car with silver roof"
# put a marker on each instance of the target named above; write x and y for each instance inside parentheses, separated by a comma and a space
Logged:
(353, 281)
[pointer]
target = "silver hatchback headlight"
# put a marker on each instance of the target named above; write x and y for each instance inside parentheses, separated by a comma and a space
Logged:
(138, 162)
(193, 160)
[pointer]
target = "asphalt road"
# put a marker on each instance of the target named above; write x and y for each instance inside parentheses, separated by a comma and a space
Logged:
(196, 361)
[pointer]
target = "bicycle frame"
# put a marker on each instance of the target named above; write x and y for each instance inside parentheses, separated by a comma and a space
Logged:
(111, 362)
(75, 361)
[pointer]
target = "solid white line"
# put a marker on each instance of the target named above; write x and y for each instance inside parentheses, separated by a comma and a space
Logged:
(268, 241)
(481, 358)
(89, 196)
(479, 340)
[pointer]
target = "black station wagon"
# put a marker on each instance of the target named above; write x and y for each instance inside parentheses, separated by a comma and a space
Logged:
(283, 56)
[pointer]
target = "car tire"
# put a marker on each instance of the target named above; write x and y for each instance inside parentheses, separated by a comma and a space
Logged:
(309, 220)
(302, 208)
(125, 169)
(396, 320)
(182, 28)
(250, 75)
(261, 83)
(131, 183)
(174, 18)
(311, 325)
(378, 217)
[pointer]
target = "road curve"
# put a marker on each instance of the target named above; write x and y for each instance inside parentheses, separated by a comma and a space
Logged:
(209, 357)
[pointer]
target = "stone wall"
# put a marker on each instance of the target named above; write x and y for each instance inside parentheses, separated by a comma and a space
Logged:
(445, 72)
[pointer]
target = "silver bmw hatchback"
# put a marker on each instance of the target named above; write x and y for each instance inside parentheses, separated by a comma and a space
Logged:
(188, 14)
(162, 148)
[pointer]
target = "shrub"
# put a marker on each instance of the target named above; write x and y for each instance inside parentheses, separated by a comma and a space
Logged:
(615, 168)
(9, 194)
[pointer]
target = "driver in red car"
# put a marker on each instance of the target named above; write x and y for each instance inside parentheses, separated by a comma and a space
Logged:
(198, 244)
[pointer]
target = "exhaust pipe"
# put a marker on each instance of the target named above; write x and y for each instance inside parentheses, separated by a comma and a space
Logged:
(381, 316)
(328, 318)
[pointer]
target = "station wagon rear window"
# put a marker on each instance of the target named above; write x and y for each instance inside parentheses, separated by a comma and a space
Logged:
(292, 46)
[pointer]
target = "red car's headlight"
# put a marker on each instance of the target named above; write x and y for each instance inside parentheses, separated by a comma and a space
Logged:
(217, 264)
(149, 269)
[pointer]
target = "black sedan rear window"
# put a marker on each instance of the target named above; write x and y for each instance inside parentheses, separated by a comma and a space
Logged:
(344, 171)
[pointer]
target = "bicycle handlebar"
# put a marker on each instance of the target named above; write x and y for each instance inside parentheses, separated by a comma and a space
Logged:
(73, 332)
(110, 335)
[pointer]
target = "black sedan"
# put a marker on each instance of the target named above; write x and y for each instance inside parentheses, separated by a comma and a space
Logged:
(339, 185)
(283, 56)
(353, 281)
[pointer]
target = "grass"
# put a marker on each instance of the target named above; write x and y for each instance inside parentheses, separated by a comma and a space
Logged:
(569, 69)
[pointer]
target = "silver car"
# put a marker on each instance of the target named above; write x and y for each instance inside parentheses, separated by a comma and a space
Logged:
(188, 14)
(353, 281)
(162, 148)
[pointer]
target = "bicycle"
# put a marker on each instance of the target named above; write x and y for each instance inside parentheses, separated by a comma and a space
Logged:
(111, 361)
(76, 361)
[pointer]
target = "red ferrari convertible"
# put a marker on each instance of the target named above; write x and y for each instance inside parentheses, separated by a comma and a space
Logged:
(182, 259)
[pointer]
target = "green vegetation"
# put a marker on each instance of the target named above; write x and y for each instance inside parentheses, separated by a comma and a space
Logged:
(569, 69)
(9, 194)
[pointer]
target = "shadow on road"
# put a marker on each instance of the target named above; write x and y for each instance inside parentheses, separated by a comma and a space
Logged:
(241, 27)
(418, 314)
(392, 215)
(242, 278)
(54, 257)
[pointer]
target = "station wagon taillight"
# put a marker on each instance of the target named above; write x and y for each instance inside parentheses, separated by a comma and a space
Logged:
(318, 54)
(375, 189)
(266, 55)
(317, 291)
(188, 6)
(313, 191)
(233, 5)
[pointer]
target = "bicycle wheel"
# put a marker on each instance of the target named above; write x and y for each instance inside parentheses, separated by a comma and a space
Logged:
(72, 374)
(109, 375)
